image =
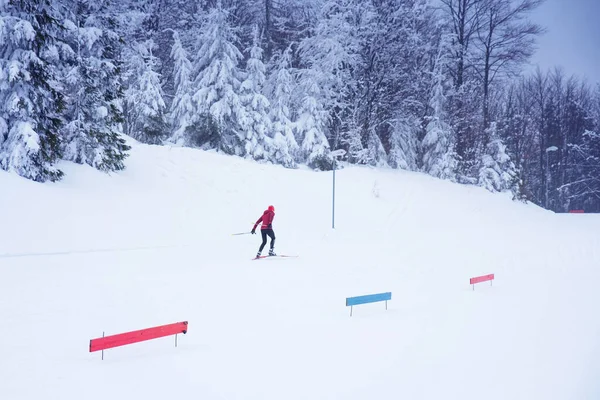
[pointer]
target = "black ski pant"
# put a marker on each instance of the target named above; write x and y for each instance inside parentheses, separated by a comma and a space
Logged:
(267, 232)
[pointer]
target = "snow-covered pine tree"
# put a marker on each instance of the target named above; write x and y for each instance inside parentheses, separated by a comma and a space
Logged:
(375, 152)
(397, 44)
(31, 102)
(257, 123)
(93, 135)
(181, 110)
(310, 125)
(596, 108)
(497, 172)
(439, 158)
(330, 56)
(145, 105)
(219, 113)
(584, 191)
(363, 134)
(174, 21)
(404, 145)
(181, 16)
(281, 87)
(352, 140)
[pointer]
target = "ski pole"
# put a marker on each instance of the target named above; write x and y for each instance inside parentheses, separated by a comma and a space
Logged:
(241, 233)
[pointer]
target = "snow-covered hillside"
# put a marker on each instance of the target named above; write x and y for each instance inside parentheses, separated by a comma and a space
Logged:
(152, 245)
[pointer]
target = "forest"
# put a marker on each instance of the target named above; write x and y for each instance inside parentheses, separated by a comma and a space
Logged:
(436, 86)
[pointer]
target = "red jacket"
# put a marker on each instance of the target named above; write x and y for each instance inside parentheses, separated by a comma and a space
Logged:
(266, 219)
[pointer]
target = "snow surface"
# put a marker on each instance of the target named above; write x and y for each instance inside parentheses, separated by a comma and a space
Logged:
(152, 245)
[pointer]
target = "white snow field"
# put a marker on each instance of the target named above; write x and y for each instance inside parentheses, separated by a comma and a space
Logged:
(152, 245)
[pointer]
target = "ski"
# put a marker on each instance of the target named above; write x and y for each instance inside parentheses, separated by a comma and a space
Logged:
(278, 255)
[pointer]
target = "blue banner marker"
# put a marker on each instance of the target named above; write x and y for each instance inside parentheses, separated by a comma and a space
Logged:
(370, 298)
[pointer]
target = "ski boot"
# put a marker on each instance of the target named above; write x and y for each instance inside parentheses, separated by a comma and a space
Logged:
(272, 253)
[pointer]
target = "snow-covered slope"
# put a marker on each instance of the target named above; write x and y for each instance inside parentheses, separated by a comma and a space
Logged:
(153, 245)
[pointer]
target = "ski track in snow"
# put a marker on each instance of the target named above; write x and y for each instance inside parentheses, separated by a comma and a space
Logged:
(152, 245)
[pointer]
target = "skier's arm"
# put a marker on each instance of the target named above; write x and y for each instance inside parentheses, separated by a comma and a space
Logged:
(258, 221)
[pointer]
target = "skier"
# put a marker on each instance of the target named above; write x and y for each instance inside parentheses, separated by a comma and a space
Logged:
(266, 230)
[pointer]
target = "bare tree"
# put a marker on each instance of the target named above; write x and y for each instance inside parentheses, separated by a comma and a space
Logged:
(506, 39)
(463, 21)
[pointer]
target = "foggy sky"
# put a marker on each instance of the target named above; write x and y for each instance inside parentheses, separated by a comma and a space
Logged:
(572, 39)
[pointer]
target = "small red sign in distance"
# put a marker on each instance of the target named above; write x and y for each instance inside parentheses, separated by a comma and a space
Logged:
(479, 279)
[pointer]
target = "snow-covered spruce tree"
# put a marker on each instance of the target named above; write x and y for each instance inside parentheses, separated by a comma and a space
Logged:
(93, 136)
(327, 83)
(218, 111)
(397, 45)
(310, 125)
(180, 16)
(375, 153)
(584, 191)
(362, 133)
(439, 158)
(284, 147)
(404, 146)
(145, 105)
(352, 140)
(257, 123)
(31, 103)
(497, 172)
(596, 108)
(181, 110)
